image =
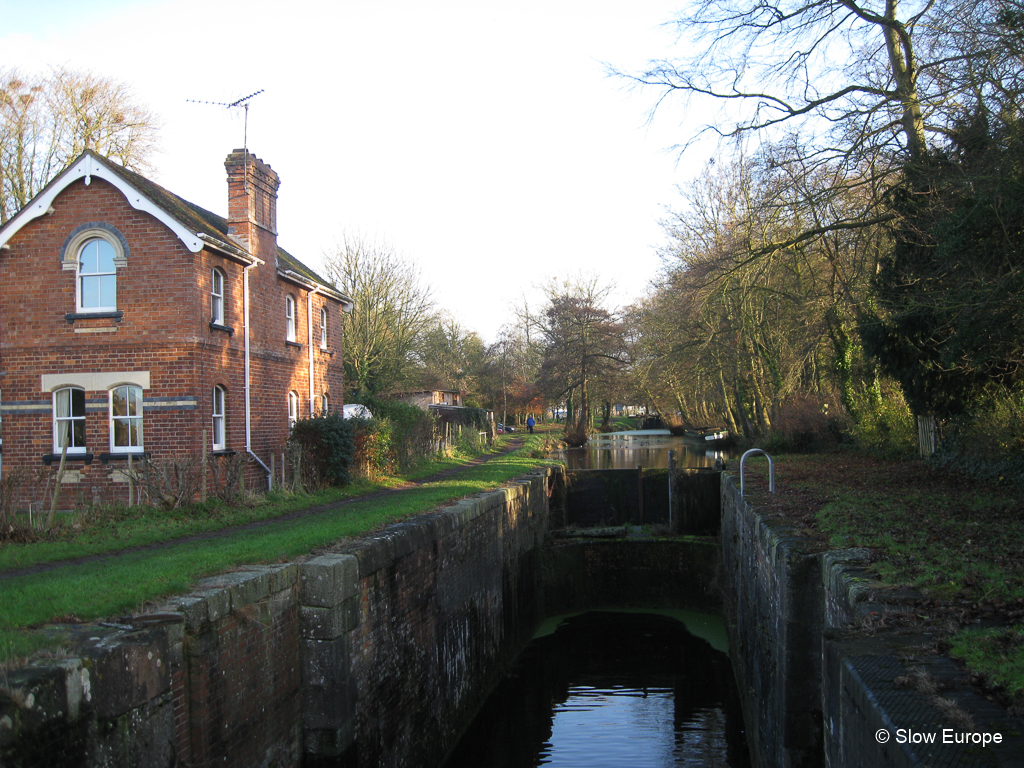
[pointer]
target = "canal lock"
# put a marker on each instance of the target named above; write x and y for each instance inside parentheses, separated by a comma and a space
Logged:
(632, 666)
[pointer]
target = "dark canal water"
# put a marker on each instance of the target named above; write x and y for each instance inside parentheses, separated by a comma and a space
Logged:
(648, 448)
(635, 690)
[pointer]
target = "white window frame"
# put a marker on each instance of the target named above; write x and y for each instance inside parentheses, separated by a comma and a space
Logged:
(71, 419)
(130, 419)
(293, 408)
(323, 327)
(219, 419)
(325, 404)
(80, 276)
(289, 317)
(217, 296)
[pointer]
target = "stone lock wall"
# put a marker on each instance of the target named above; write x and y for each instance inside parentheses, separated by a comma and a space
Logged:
(424, 617)
(772, 608)
(816, 691)
(314, 663)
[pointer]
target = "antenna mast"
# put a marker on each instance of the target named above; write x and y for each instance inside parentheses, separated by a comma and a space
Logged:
(244, 103)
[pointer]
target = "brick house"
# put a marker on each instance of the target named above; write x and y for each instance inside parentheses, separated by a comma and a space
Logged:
(133, 322)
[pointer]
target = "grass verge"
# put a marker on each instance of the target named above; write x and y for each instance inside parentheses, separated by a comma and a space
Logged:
(997, 653)
(127, 581)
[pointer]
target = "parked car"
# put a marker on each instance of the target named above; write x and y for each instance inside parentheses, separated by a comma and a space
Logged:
(505, 428)
(355, 411)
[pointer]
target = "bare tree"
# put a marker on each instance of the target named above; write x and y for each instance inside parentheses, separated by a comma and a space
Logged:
(450, 357)
(393, 308)
(46, 121)
(850, 92)
(583, 345)
(727, 337)
(848, 69)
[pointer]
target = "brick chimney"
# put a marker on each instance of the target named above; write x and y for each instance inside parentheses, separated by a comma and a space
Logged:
(252, 198)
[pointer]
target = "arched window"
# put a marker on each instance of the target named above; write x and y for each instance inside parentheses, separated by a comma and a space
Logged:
(289, 316)
(69, 420)
(293, 408)
(323, 327)
(95, 251)
(217, 297)
(97, 276)
(219, 425)
(126, 419)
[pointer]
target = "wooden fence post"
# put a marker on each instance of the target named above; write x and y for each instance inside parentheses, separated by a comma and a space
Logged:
(927, 436)
(640, 490)
(205, 466)
(60, 478)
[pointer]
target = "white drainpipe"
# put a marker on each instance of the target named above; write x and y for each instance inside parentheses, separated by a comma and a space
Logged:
(309, 333)
(248, 406)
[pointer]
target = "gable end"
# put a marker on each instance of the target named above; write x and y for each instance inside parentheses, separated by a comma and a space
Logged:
(83, 170)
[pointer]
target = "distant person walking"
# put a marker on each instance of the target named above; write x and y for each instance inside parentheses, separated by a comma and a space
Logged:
(530, 422)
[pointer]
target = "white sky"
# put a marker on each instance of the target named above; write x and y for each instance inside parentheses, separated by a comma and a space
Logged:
(482, 140)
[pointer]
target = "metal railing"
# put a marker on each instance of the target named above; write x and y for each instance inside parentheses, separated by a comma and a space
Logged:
(771, 469)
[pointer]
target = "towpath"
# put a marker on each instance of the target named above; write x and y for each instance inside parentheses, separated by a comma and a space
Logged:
(38, 568)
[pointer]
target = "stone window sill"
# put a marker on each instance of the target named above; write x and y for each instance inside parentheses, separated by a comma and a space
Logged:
(73, 458)
(72, 316)
(106, 458)
(218, 327)
(295, 344)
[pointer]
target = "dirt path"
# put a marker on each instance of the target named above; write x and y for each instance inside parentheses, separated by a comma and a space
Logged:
(511, 445)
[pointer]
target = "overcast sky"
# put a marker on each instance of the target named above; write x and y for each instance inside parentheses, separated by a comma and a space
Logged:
(483, 140)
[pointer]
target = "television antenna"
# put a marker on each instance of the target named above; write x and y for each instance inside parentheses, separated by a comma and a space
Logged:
(244, 103)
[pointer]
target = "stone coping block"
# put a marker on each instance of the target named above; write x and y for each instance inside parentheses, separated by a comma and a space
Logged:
(215, 597)
(283, 576)
(56, 690)
(243, 587)
(876, 677)
(117, 668)
(129, 669)
(377, 551)
(328, 580)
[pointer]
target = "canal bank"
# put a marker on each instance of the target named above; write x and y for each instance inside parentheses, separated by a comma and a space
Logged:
(819, 686)
(380, 653)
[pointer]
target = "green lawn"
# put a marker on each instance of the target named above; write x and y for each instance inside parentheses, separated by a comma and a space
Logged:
(127, 581)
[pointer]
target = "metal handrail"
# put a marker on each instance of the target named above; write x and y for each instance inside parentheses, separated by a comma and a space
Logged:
(771, 469)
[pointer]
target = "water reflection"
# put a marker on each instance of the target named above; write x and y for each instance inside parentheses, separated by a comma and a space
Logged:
(611, 689)
(646, 448)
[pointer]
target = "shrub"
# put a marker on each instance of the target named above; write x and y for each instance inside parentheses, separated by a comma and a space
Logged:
(402, 436)
(467, 439)
(10, 485)
(327, 448)
(988, 443)
(372, 454)
(227, 472)
(885, 426)
(170, 483)
(806, 423)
